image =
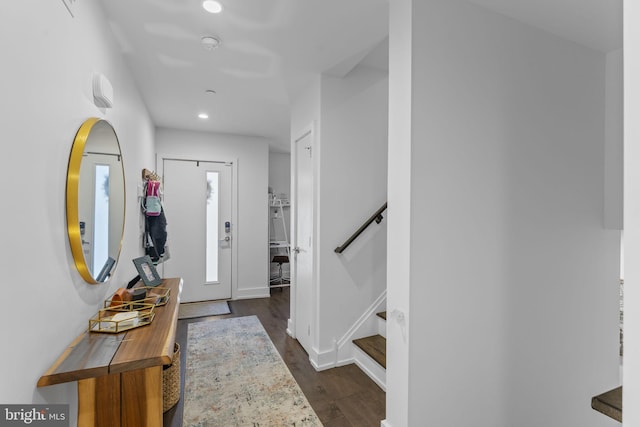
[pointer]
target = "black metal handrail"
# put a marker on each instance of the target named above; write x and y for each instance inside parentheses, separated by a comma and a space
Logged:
(377, 217)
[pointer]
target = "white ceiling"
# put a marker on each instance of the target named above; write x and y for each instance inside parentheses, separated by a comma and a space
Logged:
(271, 49)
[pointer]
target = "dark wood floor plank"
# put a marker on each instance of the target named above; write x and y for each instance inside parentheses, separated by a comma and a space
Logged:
(337, 422)
(341, 397)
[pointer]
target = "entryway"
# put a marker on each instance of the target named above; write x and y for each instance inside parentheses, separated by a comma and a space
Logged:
(197, 201)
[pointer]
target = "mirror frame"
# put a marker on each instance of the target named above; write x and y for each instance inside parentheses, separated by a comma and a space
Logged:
(72, 195)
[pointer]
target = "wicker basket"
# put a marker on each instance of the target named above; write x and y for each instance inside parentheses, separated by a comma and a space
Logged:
(171, 381)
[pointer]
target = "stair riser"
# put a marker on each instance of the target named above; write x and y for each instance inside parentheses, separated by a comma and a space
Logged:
(370, 367)
(382, 327)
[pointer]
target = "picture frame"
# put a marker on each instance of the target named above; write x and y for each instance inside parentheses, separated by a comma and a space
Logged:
(105, 273)
(147, 271)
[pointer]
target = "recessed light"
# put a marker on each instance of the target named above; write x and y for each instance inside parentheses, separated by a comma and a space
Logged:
(203, 115)
(212, 6)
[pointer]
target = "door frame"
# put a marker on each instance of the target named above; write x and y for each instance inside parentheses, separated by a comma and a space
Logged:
(234, 208)
(309, 130)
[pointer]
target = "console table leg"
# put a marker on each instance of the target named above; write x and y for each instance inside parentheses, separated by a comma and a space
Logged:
(142, 397)
(99, 401)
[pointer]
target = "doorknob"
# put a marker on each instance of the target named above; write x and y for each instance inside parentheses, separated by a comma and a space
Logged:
(296, 250)
(226, 239)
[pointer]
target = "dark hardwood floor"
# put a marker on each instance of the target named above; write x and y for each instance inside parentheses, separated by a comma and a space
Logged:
(342, 397)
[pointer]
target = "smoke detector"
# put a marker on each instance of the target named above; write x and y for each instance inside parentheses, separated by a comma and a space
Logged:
(210, 43)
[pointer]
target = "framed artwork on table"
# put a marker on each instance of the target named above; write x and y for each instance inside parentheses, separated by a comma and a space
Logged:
(147, 271)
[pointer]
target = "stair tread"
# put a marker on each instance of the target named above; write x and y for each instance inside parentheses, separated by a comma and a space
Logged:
(375, 346)
(382, 314)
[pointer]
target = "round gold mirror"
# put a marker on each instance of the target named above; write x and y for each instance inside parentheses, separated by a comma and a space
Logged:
(95, 200)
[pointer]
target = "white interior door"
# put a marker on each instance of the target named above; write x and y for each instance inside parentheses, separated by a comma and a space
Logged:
(197, 203)
(303, 244)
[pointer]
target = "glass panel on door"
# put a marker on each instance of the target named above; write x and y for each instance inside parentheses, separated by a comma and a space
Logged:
(212, 217)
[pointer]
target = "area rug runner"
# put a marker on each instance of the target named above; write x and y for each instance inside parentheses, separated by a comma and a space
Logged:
(236, 377)
(201, 309)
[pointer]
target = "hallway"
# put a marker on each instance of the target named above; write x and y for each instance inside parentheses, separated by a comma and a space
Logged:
(341, 397)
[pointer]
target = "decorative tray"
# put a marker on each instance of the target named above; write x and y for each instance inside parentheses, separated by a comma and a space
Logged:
(155, 295)
(122, 317)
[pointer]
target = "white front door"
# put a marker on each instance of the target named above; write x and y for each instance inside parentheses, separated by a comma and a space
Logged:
(197, 204)
(303, 300)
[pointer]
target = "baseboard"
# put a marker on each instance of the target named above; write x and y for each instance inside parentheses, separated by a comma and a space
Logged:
(251, 293)
(385, 423)
(369, 313)
(342, 352)
(327, 360)
(314, 360)
(290, 328)
(366, 325)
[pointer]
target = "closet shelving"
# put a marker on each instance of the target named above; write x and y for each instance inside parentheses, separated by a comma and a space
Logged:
(279, 247)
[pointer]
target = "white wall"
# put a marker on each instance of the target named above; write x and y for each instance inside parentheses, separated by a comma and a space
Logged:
(631, 373)
(305, 108)
(48, 59)
(614, 152)
(280, 172)
(513, 287)
(353, 185)
(251, 157)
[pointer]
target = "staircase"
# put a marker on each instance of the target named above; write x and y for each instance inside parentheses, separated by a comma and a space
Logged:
(370, 353)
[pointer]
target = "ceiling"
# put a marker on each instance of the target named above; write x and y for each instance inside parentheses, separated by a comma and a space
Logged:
(271, 49)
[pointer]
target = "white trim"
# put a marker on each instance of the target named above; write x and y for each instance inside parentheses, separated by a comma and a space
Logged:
(235, 197)
(321, 361)
(370, 367)
(385, 423)
(327, 360)
(291, 330)
(342, 352)
(259, 292)
(366, 325)
(315, 152)
(311, 131)
(291, 321)
(314, 359)
(304, 135)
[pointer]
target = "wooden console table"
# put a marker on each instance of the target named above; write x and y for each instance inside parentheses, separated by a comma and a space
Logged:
(120, 375)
